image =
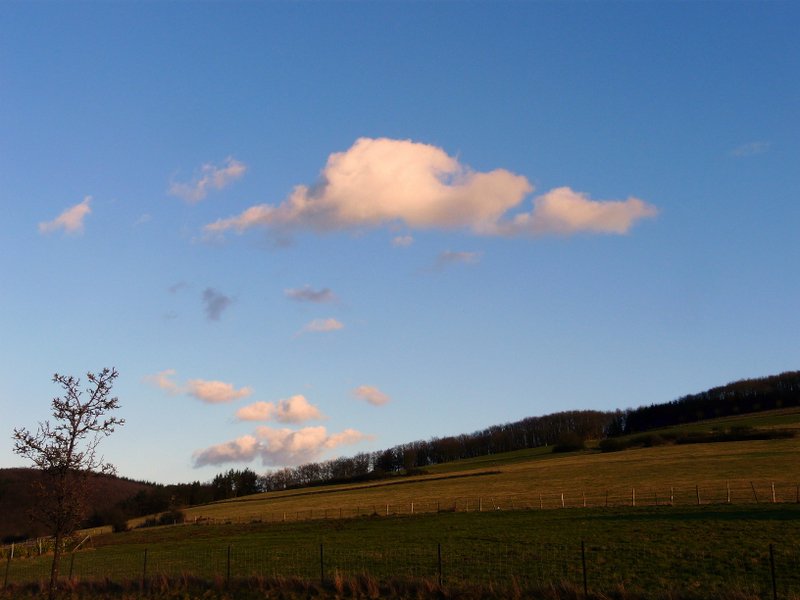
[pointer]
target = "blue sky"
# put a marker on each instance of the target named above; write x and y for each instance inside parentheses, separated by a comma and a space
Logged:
(302, 230)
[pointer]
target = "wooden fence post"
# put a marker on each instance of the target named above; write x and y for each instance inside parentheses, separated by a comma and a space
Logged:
(583, 561)
(633, 496)
(439, 552)
(697, 491)
(754, 491)
(321, 565)
(8, 564)
(144, 571)
(773, 492)
(772, 572)
(562, 500)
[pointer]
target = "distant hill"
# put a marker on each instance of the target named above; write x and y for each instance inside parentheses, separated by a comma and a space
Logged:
(16, 496)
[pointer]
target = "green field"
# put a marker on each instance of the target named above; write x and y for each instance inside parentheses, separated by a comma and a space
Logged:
(651, 521)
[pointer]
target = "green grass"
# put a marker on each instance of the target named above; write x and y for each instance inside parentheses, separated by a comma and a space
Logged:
(642, 549)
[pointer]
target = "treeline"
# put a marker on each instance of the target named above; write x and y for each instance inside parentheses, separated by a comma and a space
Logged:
(169, 499)
(414, 457)
(739, 397)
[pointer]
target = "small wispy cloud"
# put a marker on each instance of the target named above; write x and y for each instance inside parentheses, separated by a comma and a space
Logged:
(448, 258)
(208, 391)
(371, 394)
(210, 177)
(309, 294)
(71, 220)
(215, 303)
(322, 326)
(215, 392)
(177, 287)
(295, 409)
(751, 149)
(163, 380)
(402, 241)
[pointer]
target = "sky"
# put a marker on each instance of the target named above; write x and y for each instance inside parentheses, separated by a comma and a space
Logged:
(302, 230)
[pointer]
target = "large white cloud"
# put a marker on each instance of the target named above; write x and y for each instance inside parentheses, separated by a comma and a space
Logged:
(383, 182)
(210, 177)
(278, 447)
(71, 220)
(296, 409)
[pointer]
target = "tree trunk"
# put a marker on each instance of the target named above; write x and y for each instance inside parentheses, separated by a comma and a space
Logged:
(51, 593)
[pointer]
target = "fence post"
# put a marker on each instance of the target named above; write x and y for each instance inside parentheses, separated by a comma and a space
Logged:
(8, 564)
(583, 562)
(321, 565)
(773, 492)
(144, 571)
(754, 492)
(772, 572)
(633, 496)
(439, 552)
(697, 491)
(562, 499)
(228, 569)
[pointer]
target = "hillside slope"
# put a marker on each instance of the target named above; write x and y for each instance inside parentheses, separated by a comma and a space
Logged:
(16, 498)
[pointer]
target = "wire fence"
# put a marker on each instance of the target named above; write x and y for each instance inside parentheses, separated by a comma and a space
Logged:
(740, 492)
(772, 571)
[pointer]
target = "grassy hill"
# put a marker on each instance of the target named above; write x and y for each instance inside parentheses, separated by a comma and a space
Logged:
(538, 478)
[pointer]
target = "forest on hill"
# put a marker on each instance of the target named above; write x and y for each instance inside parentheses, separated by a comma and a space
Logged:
(115, 500)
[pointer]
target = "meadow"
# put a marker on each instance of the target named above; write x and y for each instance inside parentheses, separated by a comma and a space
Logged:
(675, 521)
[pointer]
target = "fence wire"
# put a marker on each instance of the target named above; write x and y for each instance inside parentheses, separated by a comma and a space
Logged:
(608, 567)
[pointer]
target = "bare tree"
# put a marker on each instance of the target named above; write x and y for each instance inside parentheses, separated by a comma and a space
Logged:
(66, 453)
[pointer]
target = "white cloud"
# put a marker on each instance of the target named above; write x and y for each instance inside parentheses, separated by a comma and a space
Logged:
(242, 449)
(750, 149)
(295, 409)
(211, 176)
(383, 182)
(278, 447)
(322, 326)
(215, 392)
(380, 181)
(371, 394)
(564, 211)
(309, 294)
(71, 220)
(162, 380)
